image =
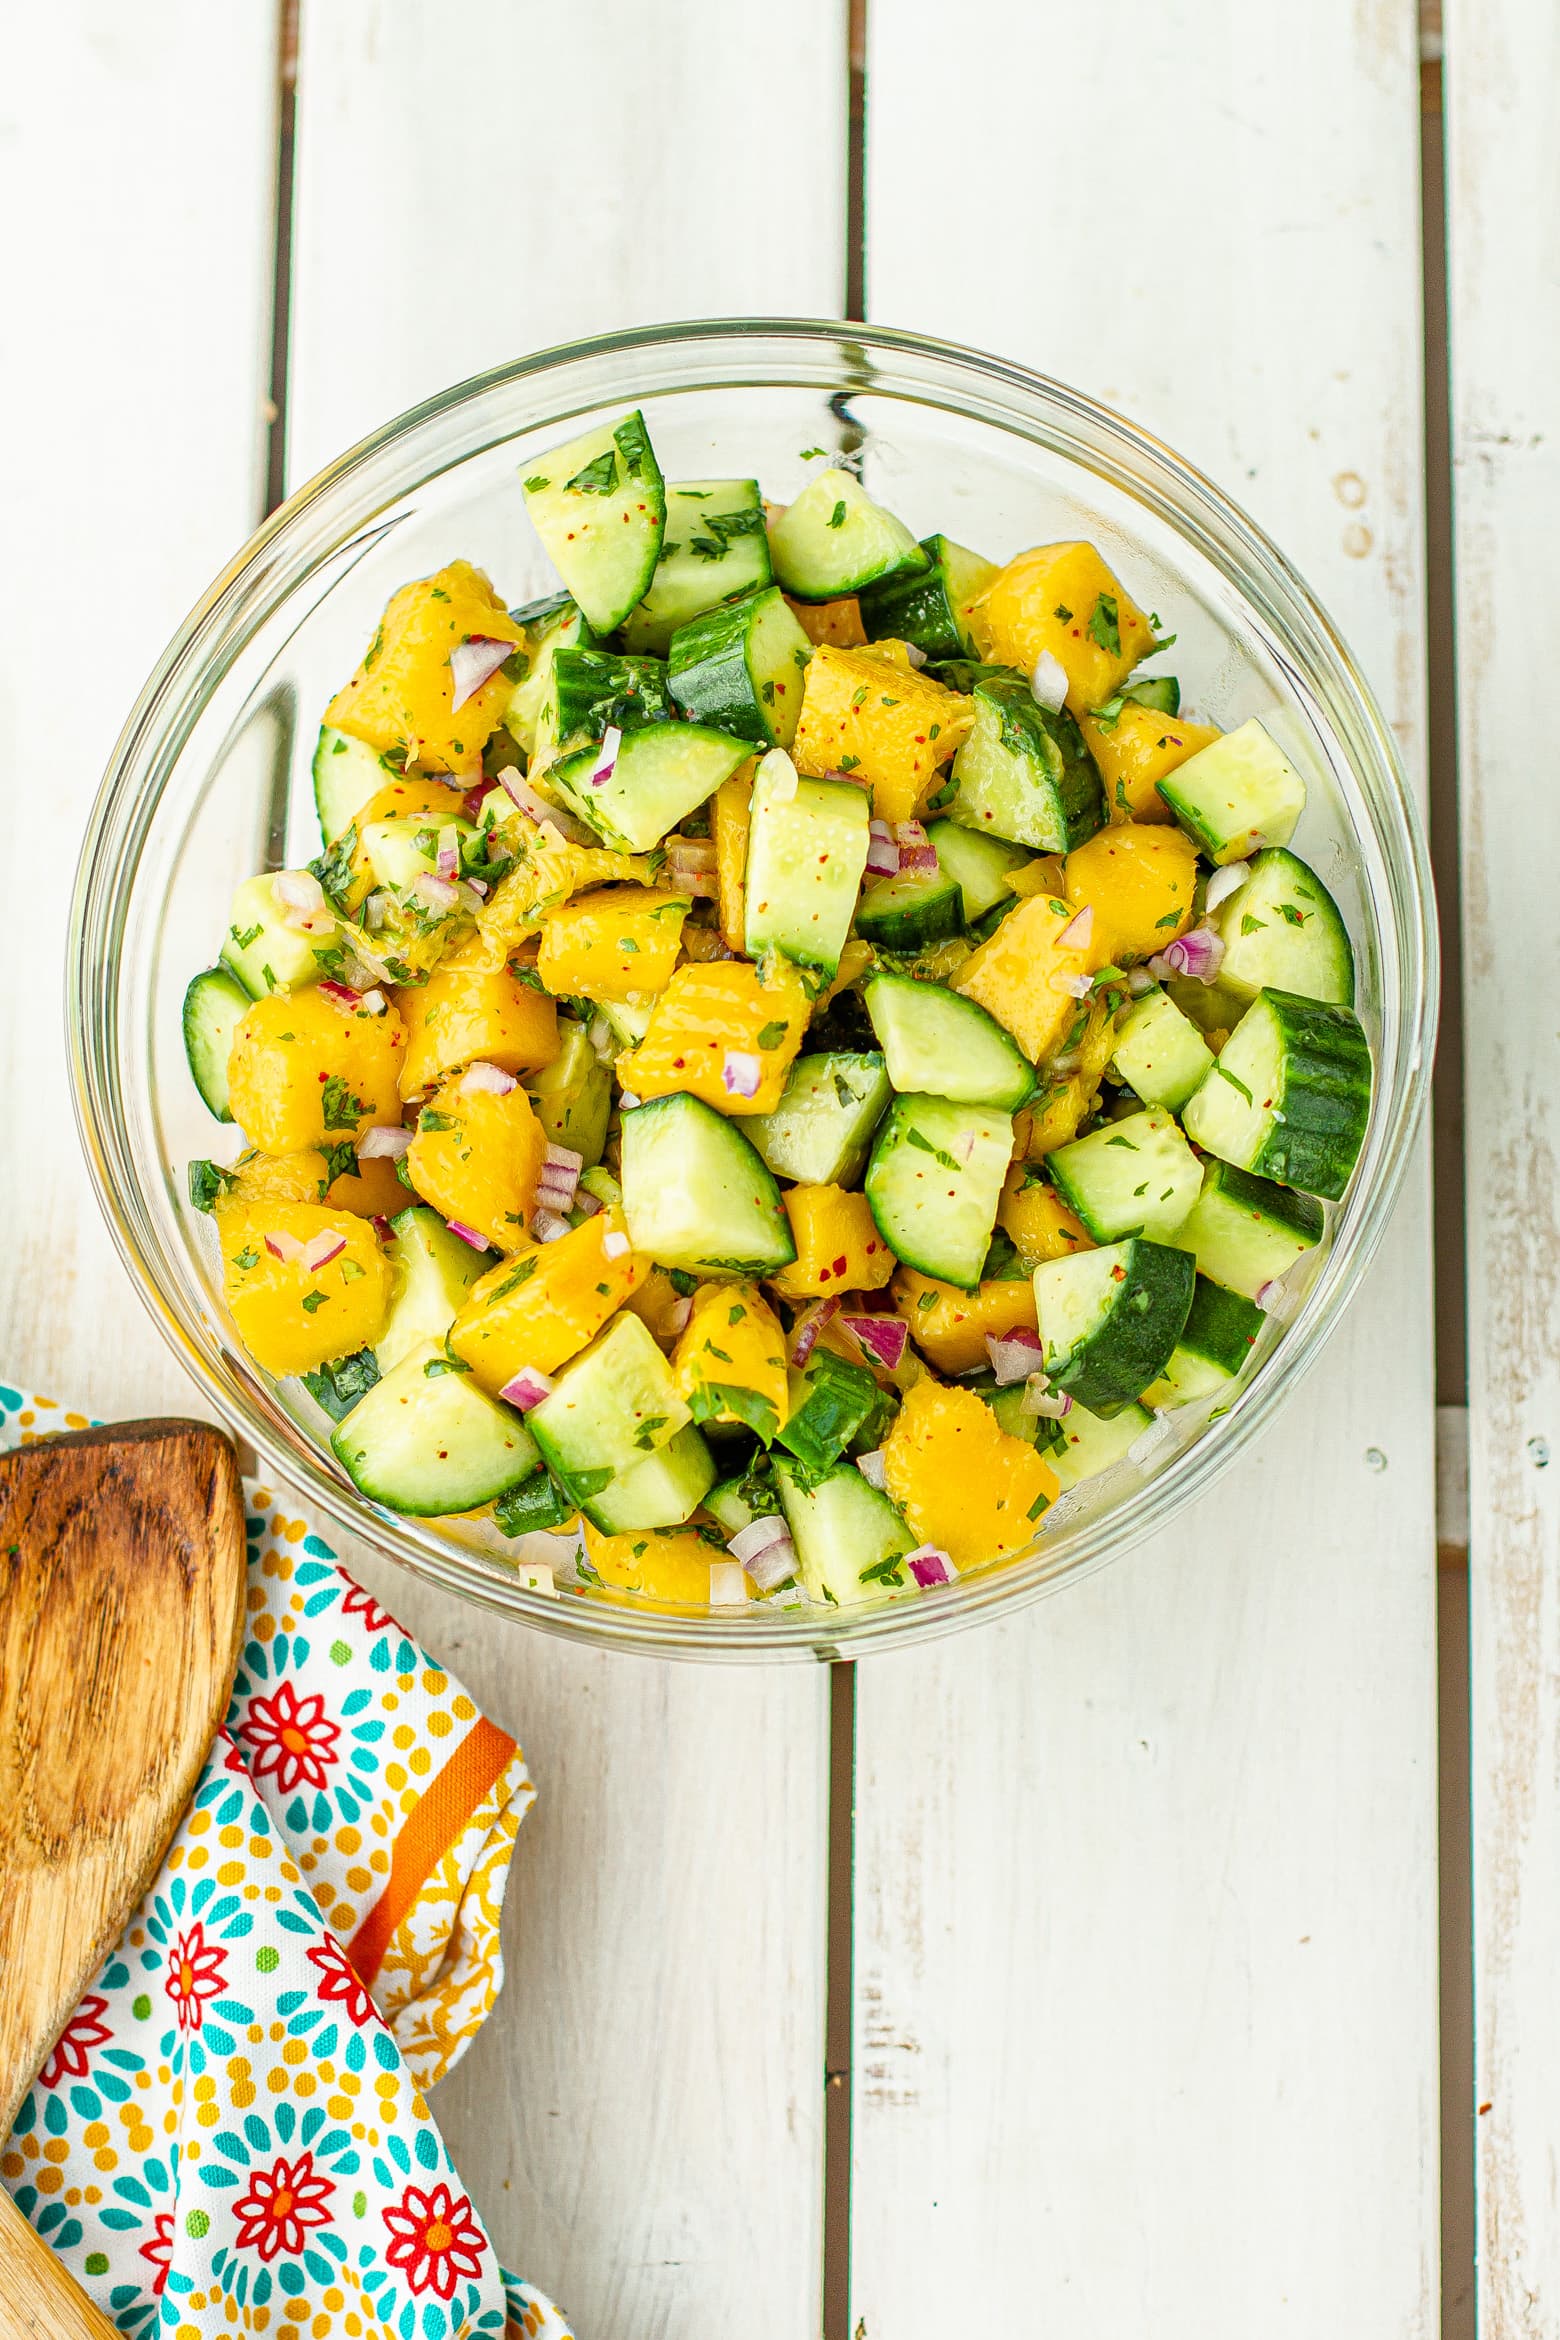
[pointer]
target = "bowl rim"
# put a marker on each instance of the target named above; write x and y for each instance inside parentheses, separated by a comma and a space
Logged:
(205, 645)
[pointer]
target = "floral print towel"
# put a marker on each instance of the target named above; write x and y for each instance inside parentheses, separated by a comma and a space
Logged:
(230, 2136)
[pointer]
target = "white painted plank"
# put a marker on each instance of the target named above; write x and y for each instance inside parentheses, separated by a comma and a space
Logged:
(1503, 71)
(642, 2123)
(1145, 1939)
(137, 167)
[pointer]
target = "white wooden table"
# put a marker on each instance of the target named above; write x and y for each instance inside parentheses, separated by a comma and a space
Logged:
(1142, 2035)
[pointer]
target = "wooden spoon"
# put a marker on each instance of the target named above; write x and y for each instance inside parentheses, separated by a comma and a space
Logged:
(121, 1615)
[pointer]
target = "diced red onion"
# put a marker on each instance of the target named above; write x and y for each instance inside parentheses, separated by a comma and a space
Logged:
(1013, 1355)
(916, 655)
(1139, 980)
(381, 1226)
(467, 1234)
(536, 807)
(475, 798)
(917, 853)
(930, 1566)
(1048, 683)
(490, 1079)
(587, 1205)
(527, 1388)
(882, 851)
(1224, 882)
(303, 899)
(561, 1168)
(776, 774)
(678, 1314)
(1078, 933)
(375, 1002)
(627, 1101)
(874, 1468)
(1078, 986)
(1199, 954)
(477, 886)
(321, 1249)
(774, 1566)
(614, 1244)
(746, 1545)
(449, 853)
(691, 852)
(342, 994)
(375, 910)
(472, 664)
(883, 1337)
(1276, 1298)
(807, 1328)
(1067, 1062)
(605, 765)
(600, 1035)
(435, 893)
(741, 1073)
(728, 1585)
(1040, 1398)
(283, 1246)
(548, 1225)
(386, 1143)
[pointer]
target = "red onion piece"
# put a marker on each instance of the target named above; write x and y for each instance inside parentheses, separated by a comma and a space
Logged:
(1041, 1398)
(1048, 683)
(807, 1328)
(741, 1073)
(774, 1565)
(769, 1528)
(342, 993)
(435, 893)
(283, 1247)
(1199, 954)
(449, 853)
(874, 1468)
(882, 851)
(527, 1389)
(882, 1337)
(381, 1226)
(678, 1314)
(375, 910)
(321, 1249)
(549, 1226)
(627, 1101)
(386, 1143)
(917, 853)
(614, 1244)
(916, 655)
(536, 808)
(1079, 986)
(728, 1585)
(1078, 933)
(1014, 1355)
(489, 1079)
(606, 762)
(566, 1159)
(375, 1002)
(777, 776)
(475, 798)
(467, 1234)
(690, 852)
(929, 1566)
(472, 663)
(1223, 883)
(478, 886)
(1139, 980)
(302, 897)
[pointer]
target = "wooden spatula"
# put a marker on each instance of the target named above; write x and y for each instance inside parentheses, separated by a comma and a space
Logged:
(121, 1614)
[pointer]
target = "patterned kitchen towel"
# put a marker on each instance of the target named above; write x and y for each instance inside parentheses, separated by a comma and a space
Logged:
(230, 2135)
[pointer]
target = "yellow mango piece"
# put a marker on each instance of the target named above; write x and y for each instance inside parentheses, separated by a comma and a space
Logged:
(710, 1010)
(371, 1191)
(541, 1308)
(1046, 874)
(477, 1158)
(257, 1178)
(961, 1481)
(1039, 1222)
(401, 699)
(469, 1014)
(1056, 1114)
(1021, 974)
(733, 1346)
(548, 870)
(291, 1317)
(730, 820)
(307, 1069)
(856, 957)
(405, 799)
(835, 622)
(659, 1307)
(1141, 748)
(665, 1567)
(889, 731)
(838, 1247)
(1138, 881)
(616, 944)
(950, 1326)
(1062, 598)
(890, 652)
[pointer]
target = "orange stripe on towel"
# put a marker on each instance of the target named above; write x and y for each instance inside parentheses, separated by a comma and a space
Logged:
(427, 1833)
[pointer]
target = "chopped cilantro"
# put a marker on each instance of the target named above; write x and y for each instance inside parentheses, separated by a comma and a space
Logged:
(247, 1258)
(249, 935)
(340, 1161)
(645, 1435)
(847, 763)
(772, 1035)
(1234, 1083)
(767, 694)
(313, 1300)
(924, 1145)
(808, 453)
(1250, 925)
(1292, 916)
(535, 484)
(1171, 918)
(837, 516)
(341, 1110)
(1104, 626)
(1064, 614)
(597, 478)
(859, 698)
(433, 1122)
(208, 1184)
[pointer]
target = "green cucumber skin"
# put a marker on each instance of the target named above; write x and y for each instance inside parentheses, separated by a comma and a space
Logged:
(821, 1129)
(708, 667)
(1160, 691)
(911, 913)
(594, 689)
(537, 1506)
(1285, 953)
(898, 1004)
(1059, 797)
(917, 607)
(676, 1146)
(214, 1006)
(954, 1254)
(1137, 1340)
(1325, 1100)
(1222, 1327)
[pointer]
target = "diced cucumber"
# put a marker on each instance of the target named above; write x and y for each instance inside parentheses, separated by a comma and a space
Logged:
(612, 1406)
(1160, 1053)
(739, 668)
(1289, 1097)
(1024, 773)
(555, 624)
(1236, 795)
(1090, 1443)
(660, 1492)
(697, 1195)
(1245, 1232)
(834, 540)
(1109, 1319)
(660, 775)
(267, 953)
(427, 1441)
(1283, 927)
(406, 847)
(572, 1096)
(729, 1507)
(982, 865)
(434, 1270)
(1220, 1333)
(1007, 1404)
(1162, 692)
(1137, 1176)
(628, 1020)
(807, 849)
(715, 546)
(537, 1506)
(339, 1385)
(819, 1132)
(594, 689)
(934, 1182)
(832, 1403)
(943, 1045)
(347, 772)
(849, 1539)
(214, 1006)
(1207, 1005)
(911, 911)
(930, 607)
(599, 506)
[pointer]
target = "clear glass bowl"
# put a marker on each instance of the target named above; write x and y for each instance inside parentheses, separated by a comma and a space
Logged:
(210, 782)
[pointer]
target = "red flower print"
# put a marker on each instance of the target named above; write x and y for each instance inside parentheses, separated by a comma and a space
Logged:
(340, 1981)
(232, 1759)
(434, 2240)
(355, 1602)
(159, 2251)
(197, 1971)
(290, 1737)
(281, 2204)
(69, 2055)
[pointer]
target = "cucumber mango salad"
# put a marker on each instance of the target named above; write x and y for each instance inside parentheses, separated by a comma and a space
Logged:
(793, 1052)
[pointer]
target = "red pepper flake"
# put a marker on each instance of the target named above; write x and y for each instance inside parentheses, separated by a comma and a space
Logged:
(839, 1267)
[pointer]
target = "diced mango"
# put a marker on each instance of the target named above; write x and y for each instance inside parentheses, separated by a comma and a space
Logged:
(290, 1316)
(835, 622)
(889, 731)
(1141, 748)
(1138, 882)
(307, 1069)
(255, 1178)
(659, 1306)
(665, 1567)
(615, 944)
(838, 1247)
(477, 1158)
(371, 1189)
(730, 1359)
(890, 652)
(962, 1482)
(401, 699)
(709, 1012)
(469, 1014)
(856, 957)
(547, 871)
(1062, 598)
(542, 1307)
(950, 1326)
(1046, 874)
(730, 820)
(1025, 976)
(1035, 1216)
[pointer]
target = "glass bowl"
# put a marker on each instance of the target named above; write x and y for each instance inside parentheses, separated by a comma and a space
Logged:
(210, 782)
